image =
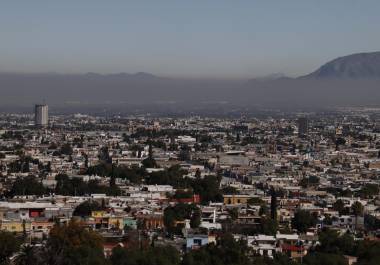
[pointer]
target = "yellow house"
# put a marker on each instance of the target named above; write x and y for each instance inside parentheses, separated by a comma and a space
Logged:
(98, 214)
(43, 226)
(16, 226)
(106, 220)
(236, 199)
(116, 222)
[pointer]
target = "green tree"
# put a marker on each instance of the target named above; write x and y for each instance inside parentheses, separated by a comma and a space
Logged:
(332, 242)
(268, 226)
(165, 255)
(318, 258)
(195, 219)
(357, 210)
(85, 208)
(234, 213)
(27, 186)
(73, 244)
(27, 255)
(368, 252)
(8, 246)
(369, 190)
(66, 149)
(273, 205)
(230, 190)
(149, 162)
(179, 212)
(303, 220)
(339, 206)
(208, 189)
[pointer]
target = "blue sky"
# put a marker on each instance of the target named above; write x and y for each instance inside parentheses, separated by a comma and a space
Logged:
(227, 39)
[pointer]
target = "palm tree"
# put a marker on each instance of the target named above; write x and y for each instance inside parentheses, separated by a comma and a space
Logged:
(357, 210)
(26, 256)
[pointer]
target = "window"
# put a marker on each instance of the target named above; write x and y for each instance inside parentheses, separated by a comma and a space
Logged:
(197, 241)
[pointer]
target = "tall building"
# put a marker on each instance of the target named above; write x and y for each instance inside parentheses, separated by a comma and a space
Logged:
(41, 115)
(303, 126)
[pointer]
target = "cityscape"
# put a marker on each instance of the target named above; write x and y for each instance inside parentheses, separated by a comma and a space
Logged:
(287, 188)
(253, 137)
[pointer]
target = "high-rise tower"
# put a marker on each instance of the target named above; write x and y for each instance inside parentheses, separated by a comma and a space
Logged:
(303, 126)
(41, 115)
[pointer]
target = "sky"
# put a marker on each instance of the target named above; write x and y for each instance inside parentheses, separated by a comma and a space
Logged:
(198, 38)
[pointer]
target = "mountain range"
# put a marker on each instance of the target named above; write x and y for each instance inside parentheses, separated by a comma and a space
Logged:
(345, 81)
(354, 66)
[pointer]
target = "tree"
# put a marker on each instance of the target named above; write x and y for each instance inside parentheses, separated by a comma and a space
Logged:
(184, 153)
(255, 201)
(28, 255)
(66, 149)
(195, 219)
(273, 205)
(149, 162)
(263, 210)
(165, 255)
(339, 206)
(371, 222)
(104, 155)
(234, 213)
(303, 220)
(332, 242)
(198, 174)
(340, 141)
(230, 190)
(309, 181)
(180, 212)
(27, 186)
(268, 226)
(72, 244)
(86, 208)
(369, 190)
(208, 189)
(368, 252)
(357, 210)
(318, 258)
(8, 245)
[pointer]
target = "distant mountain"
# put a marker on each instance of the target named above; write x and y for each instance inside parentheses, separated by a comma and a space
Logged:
(355, 66)
(347, 81)
(139, 75)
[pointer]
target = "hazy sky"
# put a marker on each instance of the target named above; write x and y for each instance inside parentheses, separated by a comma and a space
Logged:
(184, 38)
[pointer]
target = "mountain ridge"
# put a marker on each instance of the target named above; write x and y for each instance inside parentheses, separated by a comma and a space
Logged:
(365, 65)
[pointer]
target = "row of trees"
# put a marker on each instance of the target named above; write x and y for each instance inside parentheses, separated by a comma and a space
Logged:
(65, 186)
(73, 244)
